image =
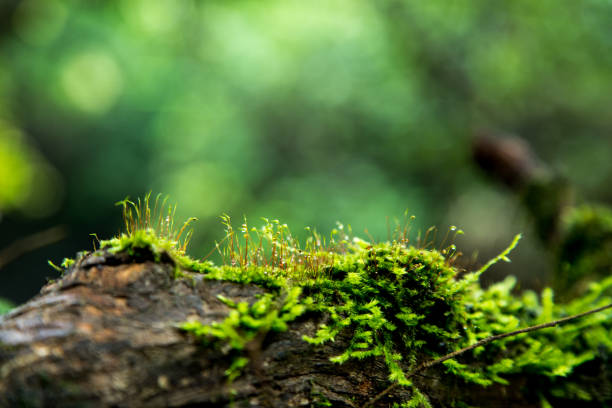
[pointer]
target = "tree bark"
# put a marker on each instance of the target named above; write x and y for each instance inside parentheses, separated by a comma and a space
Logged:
(106, 334)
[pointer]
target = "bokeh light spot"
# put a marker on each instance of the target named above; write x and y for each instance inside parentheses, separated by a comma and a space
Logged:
(92, 81)
(15, 171)
(27, 181)
(204, 189)
(155, 17)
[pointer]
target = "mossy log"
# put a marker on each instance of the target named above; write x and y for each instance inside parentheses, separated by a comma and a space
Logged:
(106, 334)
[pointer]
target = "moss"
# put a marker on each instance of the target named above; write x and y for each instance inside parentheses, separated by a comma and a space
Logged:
(398, 303)
(547, 353)
(586, 250)
(418, 400)
(5, 306)
(404, 305)
(546, 197)
(246, 322)
(318, 399)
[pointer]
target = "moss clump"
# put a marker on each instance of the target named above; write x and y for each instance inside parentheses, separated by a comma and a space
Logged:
(546, 353)
(246, 322)
(5, 306)
(399, 303)
(586, 250)
(406, 305)
(153, 230)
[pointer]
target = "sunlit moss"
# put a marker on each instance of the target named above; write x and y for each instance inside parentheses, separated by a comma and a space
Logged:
(403, 305)
(245, 322)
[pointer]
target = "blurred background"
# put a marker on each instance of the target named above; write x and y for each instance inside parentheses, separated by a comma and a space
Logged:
(311, 112)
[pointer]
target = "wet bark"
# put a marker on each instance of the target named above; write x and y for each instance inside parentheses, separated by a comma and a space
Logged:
(106, 334)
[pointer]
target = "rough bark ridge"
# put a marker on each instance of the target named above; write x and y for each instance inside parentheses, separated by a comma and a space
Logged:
(106, 334)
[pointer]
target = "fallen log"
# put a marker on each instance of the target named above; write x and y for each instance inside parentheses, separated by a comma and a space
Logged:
(108, 333)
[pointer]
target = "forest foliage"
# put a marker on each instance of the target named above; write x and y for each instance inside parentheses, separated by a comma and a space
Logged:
(312, 112)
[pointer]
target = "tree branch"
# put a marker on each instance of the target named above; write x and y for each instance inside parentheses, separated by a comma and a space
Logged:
(31, 242)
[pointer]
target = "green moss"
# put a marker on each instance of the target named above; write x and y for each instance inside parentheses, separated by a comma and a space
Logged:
(418, 400)
(398, 301)
(67, 263)
(586, 250)
(5, 306)
(404, 305)
(548, 353)
(317, 399)
(246, 322)
(152, 229)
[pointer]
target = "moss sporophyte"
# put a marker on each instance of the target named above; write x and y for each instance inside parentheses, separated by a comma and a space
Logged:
(406, 305)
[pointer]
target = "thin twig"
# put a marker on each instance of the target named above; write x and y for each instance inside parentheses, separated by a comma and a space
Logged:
(30, 243)
(430, 363)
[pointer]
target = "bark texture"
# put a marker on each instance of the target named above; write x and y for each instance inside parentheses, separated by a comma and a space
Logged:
(106, 334)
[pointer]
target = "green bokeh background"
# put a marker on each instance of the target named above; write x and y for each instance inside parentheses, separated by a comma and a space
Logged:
(311, 112)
